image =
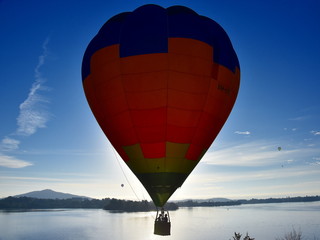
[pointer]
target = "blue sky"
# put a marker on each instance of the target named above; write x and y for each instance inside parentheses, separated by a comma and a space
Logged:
(50, 139)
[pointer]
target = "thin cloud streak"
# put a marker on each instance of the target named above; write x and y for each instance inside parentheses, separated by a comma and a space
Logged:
(300, 118)
(252, 183)
(11, 162)
(315, 133)
(255, 154)
(256, 168)
(9, 144)
(280, 173)
(33, 114)
(31, 179)
(242, 133)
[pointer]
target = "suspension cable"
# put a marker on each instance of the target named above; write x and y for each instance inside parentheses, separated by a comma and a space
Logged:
(124, 174)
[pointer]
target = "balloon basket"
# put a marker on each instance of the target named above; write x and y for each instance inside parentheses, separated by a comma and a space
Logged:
(162, 224)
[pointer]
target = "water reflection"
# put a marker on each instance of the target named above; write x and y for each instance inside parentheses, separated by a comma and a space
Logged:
(265, 221)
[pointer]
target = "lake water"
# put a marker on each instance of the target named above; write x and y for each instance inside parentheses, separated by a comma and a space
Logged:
(261, 221)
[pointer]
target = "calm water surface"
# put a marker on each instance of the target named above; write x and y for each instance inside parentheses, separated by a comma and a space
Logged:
(261, 221)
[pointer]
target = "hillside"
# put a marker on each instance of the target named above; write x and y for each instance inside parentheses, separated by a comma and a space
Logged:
(206, 200)
(49, 194)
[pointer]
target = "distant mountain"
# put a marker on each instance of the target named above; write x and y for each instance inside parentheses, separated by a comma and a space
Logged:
(214, 200)
(49, 194)
(207, 200)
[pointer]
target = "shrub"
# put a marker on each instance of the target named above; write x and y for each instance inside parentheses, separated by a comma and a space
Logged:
(293, 235)
(237, 236)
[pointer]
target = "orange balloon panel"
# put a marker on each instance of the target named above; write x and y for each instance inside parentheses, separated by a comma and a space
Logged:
(152, 100)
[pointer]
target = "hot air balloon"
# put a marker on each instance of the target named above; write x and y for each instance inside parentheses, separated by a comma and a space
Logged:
(161, 82)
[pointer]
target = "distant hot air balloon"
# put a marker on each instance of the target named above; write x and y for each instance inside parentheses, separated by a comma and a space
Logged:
(279, 148)
(161, 84)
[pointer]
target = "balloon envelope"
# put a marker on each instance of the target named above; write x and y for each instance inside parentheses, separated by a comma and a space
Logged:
(161, 84)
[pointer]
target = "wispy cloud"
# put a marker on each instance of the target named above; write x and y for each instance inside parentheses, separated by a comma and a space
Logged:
(11, 162)
(42, 179)
(252, 182)
(258, 153)
(9, 144)
(247, 154)
(315, 161)
(315, 132)
(242, 133)
(33, 113)
(263, 174)
(291, 129)
(300, 118)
